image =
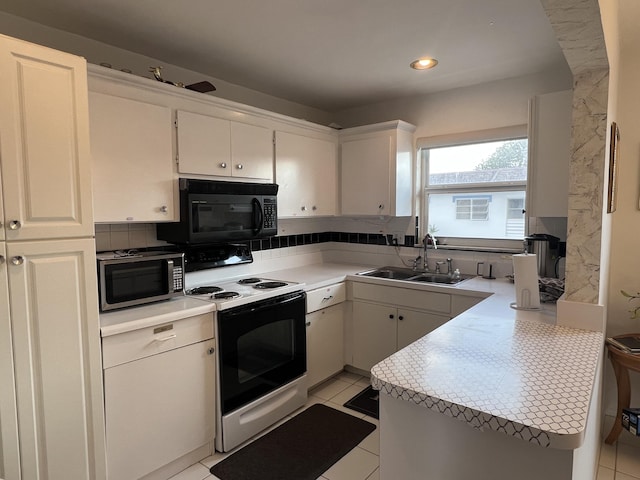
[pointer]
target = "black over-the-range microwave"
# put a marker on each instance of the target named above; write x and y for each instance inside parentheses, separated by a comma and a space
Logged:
(216, 212)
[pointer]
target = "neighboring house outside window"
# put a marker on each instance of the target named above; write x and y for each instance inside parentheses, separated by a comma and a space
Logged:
(475, 190)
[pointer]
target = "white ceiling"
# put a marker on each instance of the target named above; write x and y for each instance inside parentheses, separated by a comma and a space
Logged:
(329, 54)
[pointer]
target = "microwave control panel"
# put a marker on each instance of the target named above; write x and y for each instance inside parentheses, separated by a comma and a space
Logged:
(270, 212)
(178, 277)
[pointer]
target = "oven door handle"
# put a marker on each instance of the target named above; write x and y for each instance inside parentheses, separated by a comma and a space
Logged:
(258, 216)
(263, 304)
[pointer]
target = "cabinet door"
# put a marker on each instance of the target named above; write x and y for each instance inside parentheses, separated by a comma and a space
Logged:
(56, 341)
(306, 173)
(413, 325)
(44, 126)
(325, 343)
(251, 151)
(374, 333)
(9, 453)
(549, 154)
(171, 413)
(132, 156)
(366, 176)
(204, 145)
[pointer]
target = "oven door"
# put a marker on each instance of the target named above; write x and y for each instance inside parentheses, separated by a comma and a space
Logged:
(262, 346)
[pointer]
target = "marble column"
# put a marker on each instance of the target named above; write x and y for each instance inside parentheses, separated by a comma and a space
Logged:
(579, 31)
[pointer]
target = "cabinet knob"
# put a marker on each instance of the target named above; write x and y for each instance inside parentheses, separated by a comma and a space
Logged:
(314, 208)
(239, 166)
(223, 165)
(211, 351)
(392, 316)
(308, 324)
(381, 206)
(14, 224)
(18, 260)
(303, 208)
(1, 259)
(400, 317)
(164, 209)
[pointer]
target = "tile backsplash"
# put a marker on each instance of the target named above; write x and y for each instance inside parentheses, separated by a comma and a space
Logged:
(126, 235)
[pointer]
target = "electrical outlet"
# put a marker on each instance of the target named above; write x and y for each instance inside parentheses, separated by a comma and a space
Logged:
(400, 240)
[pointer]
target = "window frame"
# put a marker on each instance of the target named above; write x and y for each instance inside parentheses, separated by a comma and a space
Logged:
(424, 144)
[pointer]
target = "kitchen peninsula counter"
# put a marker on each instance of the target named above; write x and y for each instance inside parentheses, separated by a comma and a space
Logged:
(504, 372)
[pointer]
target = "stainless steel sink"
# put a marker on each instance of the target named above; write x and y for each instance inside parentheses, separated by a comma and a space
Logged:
(409, 275)
(439, 278)
(394, 273)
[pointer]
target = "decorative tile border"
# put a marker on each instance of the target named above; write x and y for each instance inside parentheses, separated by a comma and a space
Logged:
(284, 241)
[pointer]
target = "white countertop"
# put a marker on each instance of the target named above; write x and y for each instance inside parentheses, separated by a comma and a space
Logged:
(494, 367)
(129, 319)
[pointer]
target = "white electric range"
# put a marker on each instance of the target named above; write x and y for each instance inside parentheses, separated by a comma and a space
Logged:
(236, 292)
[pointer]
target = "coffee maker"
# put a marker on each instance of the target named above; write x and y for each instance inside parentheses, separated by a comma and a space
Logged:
(546, 247)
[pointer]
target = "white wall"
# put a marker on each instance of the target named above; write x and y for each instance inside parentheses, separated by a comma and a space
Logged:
(97, 53)
(624, 259)
(479, 107)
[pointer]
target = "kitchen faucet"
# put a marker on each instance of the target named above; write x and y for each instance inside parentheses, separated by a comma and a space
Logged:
(425, 243)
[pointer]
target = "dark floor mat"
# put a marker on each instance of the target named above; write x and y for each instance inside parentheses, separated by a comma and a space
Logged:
(365, 402)
(302, 448)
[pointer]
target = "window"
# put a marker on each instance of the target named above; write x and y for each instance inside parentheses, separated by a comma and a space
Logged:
(472, 208)
(474, 188)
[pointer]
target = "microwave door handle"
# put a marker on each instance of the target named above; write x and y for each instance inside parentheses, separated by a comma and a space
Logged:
(258, 216)
(169, 276)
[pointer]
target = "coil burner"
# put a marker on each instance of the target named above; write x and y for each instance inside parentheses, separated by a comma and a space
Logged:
(267, 285)
(204, 290)
(223, 295)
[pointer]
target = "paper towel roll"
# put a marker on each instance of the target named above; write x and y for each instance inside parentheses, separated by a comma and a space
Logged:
(525, 273)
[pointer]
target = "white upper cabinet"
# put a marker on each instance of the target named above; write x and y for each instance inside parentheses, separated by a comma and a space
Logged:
(132, 157)
(44, 125)
(216, 146)
(376, 169)
(549, 154)
(306, 171)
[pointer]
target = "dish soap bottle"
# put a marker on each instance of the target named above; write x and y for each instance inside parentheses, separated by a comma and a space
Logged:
(456, 274)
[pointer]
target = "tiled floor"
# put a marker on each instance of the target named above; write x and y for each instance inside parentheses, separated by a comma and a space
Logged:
(617, 462)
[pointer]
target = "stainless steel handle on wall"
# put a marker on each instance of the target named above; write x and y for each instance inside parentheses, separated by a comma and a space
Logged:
(18, 260)
(14, 224)
(223, 165)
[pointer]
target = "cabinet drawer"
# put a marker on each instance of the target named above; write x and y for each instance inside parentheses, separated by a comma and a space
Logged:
(126, 347)
(325, 297)
(402, 297)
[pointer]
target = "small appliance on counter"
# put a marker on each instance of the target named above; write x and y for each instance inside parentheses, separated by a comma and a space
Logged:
(547, 249)
(128, 278)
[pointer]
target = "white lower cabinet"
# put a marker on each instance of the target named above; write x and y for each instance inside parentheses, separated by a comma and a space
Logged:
(325, 343)
(382, 330)
(56, 356)
(159, 397)
(387, 319)
(325, 332)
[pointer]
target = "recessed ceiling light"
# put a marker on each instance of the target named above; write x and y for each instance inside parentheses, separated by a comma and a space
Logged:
(424, 63)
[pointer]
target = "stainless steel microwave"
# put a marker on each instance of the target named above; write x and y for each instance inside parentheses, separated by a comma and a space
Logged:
(131, 278)
(218, 212)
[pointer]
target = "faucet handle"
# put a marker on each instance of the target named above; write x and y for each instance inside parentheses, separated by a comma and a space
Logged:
(438, 266)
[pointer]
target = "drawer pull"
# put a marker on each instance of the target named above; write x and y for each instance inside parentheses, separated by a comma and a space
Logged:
(327, 298)
(164, 339)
